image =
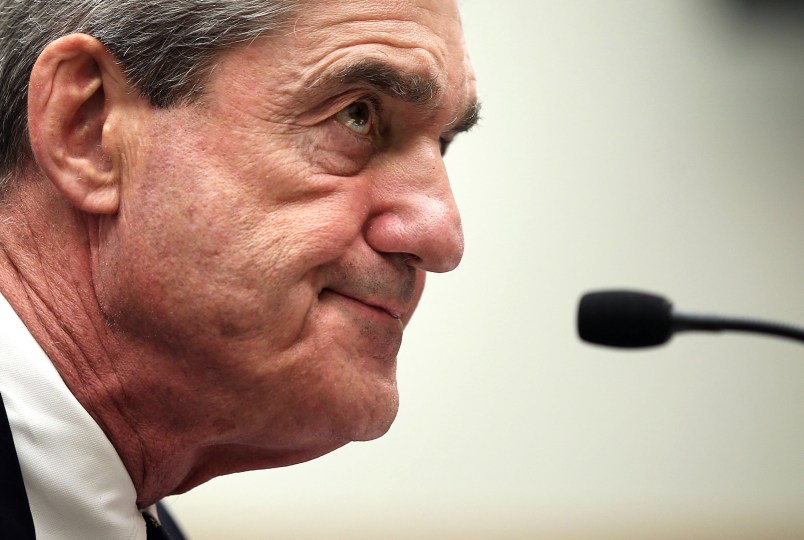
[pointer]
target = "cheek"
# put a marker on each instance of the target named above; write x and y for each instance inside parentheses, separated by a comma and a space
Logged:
(177, 261)
(225, 247)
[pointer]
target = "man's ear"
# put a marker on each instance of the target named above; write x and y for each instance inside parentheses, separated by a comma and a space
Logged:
(76, 95)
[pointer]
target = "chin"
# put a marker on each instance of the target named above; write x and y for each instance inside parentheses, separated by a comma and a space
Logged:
(378, 429)
(375, 417)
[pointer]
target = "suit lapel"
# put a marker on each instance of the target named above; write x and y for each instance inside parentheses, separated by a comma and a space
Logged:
(15, 514)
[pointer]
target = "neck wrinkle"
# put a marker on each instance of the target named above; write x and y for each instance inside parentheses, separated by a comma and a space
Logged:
(45, 275)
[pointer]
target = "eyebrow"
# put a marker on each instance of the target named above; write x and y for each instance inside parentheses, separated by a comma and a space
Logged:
(409, 87)
(469, 119)
(406, 86)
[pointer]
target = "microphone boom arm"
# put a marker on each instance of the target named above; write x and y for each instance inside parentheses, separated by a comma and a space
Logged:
(712, 323)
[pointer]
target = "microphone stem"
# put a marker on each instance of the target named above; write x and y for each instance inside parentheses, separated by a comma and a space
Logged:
(712, 323)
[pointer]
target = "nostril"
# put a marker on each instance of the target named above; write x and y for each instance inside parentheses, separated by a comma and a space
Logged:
(411, 260)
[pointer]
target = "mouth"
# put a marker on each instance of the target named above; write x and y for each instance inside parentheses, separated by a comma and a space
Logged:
(379, 306)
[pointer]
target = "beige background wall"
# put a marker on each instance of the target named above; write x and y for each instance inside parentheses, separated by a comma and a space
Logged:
(650, 144)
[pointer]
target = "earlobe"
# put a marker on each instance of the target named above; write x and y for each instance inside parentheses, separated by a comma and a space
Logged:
(74, 91)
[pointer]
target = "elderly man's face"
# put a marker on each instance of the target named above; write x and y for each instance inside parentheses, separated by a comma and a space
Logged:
(273, 238)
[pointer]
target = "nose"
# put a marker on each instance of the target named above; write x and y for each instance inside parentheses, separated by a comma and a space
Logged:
(416, 213)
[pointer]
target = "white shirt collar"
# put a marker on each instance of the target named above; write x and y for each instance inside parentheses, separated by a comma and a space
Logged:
(77, 485)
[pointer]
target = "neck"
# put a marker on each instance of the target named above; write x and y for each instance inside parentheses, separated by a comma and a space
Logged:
(46, 275)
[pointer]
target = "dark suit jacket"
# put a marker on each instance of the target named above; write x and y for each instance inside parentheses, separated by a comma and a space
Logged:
(15, 513)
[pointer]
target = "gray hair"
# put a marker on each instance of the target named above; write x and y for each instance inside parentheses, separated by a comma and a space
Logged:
(165, 47)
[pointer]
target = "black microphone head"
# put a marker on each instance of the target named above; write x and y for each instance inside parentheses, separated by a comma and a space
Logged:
(624, 319)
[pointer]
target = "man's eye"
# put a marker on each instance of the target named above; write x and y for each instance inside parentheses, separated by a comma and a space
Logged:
(357, 117)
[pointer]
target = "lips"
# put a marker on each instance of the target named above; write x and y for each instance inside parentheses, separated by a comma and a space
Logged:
(387, 307)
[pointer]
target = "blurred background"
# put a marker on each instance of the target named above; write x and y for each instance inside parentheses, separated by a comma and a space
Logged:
(656, 145)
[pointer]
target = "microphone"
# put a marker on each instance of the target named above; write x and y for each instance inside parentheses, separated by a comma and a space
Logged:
(632, 319)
